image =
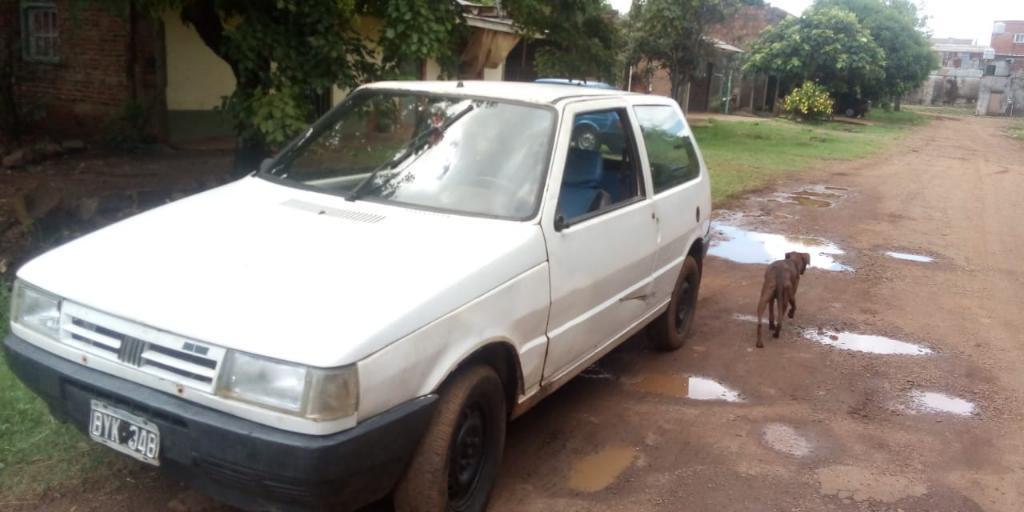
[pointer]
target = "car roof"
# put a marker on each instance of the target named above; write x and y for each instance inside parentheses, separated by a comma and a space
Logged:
(567, 81)
(529, 92)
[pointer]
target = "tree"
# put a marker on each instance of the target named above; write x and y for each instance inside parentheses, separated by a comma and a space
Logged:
(826, 45)
(896, 27)
(577, 38)
(670, 34)
(284, 54)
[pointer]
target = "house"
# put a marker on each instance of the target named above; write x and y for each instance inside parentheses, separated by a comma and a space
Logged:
(1001, 91)
(76, 67)
(721, 86)
(956, 81)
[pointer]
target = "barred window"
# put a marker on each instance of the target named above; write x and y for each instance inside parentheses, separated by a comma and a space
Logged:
(39, 31)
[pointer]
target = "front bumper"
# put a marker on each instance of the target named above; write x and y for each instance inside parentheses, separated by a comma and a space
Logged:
(237, 461)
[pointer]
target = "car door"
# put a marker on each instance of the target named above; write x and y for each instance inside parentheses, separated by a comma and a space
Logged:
(680, 188)
(599, 226)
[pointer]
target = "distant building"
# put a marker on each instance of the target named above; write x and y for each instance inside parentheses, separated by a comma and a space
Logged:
(720, 85)
(956, 81)
(1002, 88)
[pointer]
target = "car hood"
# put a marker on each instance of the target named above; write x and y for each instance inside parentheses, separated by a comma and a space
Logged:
(288, 273)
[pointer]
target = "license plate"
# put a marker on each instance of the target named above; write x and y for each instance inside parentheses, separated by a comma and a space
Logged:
(124, 432)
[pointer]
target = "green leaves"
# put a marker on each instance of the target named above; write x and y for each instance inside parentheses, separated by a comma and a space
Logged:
(671, 34)
(826, 45)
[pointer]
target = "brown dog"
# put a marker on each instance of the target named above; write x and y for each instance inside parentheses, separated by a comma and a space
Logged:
(780, 283)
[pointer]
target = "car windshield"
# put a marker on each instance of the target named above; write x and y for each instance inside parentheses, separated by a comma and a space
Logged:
(463, 155)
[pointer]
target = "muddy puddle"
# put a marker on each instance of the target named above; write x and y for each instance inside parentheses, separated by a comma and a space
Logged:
(743, 246)
(929, 401)
(595, 472)
(869, 343)
(686, 386)
(784, 438)
(919, 258)
(815, 196)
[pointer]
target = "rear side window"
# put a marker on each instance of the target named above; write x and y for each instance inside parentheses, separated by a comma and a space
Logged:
(669, 147)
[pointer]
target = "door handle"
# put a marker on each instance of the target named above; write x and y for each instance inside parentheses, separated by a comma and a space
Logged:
(698, 214)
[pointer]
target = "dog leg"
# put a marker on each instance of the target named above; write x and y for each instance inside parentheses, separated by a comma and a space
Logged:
(760, 313)
(780, 302)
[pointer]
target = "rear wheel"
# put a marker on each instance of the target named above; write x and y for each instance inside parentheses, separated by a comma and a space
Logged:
(670, 330)
(455, 466)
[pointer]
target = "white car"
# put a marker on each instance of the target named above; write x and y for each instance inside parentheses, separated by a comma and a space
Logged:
(360, 318)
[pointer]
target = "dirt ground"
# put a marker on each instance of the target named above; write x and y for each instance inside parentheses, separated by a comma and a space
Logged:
(811, 427)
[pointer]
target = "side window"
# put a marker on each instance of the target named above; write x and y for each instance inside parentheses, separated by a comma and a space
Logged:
(669, 147)
(601, 169)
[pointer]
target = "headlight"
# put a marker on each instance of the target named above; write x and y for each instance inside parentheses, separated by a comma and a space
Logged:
(35, 310)
(321, 394)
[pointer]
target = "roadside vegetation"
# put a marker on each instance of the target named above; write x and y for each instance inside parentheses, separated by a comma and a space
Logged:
(747, 155)
(1017, 131)
(36, 452)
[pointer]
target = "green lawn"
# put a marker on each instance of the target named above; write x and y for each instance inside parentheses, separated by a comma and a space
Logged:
(36, 452)
(1017, 131)
(747, 155)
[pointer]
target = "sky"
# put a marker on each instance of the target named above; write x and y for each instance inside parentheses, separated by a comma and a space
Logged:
(946, 18)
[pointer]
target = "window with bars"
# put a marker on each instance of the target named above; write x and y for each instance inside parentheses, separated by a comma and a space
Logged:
(39, 29)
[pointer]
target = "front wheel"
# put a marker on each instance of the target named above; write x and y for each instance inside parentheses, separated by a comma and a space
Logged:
(669, 331)
(456, 463)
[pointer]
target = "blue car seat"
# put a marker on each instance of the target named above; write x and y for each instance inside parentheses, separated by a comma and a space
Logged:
(581, 184)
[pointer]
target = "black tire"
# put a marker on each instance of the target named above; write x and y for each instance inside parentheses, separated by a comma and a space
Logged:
(456, 463)
(670, 330)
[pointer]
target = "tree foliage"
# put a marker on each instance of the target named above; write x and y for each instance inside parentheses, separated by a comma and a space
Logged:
(896, 27)
(285, 54)
(825, 45)
(576, 38)
(670, 34)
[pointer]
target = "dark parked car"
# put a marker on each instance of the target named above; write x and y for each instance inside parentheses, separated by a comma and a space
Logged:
(593, 131)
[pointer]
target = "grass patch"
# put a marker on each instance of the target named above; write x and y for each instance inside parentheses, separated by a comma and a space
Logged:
(37, 454)
(1017, 131)
(746, 155)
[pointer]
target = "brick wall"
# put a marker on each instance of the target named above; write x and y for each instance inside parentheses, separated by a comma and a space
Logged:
(745, 26)
(1003, 43)
(94, 78)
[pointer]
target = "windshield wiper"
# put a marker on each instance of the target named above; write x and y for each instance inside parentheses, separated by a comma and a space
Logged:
(408, 150)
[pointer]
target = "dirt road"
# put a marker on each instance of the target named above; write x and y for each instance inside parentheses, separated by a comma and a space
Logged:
(820, 427)
(802, 425)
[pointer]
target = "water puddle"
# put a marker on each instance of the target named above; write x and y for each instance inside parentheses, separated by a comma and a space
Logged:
(743, 246)
(595, 472)
(686, 386)
(920, 258)
(744, 318)
(869, 343)
(928, 401)
(814, 196)
(783, 438)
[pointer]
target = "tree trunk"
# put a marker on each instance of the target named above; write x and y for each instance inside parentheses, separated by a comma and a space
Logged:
(897, 103)
(203, 16)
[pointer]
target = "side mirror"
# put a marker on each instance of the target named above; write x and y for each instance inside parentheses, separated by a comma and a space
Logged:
(265, 164)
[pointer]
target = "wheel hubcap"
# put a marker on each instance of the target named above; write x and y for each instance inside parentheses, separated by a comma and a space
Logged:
(588, 141)
(466, 459)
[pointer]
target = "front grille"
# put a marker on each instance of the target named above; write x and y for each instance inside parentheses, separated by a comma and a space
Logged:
(160, 353)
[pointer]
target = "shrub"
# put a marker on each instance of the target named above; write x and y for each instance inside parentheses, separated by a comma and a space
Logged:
(810, 101)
